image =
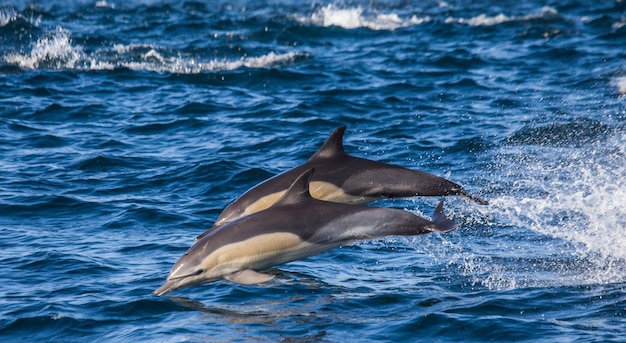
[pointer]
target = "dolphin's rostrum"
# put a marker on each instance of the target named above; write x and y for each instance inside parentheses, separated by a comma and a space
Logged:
(295, 227)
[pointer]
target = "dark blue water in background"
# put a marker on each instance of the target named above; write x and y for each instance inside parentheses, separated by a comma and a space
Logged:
(125, 128)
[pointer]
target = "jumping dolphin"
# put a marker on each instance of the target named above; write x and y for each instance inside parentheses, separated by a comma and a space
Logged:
(342, 178)
(295, 227)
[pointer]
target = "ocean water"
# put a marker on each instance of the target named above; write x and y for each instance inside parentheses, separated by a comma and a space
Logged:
(126, 127)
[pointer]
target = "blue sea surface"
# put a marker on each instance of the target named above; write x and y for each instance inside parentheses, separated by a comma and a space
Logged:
(126, 127)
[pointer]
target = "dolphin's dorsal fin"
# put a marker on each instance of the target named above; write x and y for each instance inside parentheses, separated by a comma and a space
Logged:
(333, 145)
(298, 191)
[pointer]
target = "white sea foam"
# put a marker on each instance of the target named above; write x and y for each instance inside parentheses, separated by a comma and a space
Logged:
(104, 4)
(6, 16)
(154, 61)
(485, 20)
(620, 83)
(619, 24)
(56, 50)
(355, 17)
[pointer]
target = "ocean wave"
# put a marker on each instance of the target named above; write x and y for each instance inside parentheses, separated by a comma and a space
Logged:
(154, 61)
(104, 4)
(57, 50)
(53, 51)
(8, 15)
(485, 20)
(355, 17)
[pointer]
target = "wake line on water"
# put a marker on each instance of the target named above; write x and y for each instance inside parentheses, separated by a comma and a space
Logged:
(56, 50)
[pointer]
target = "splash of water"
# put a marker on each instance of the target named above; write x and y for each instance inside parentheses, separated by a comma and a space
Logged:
(582, 198)
(6, 16)
(620, 84)
(574, 197)
(556, 219)
(53, 51)
(9, 14)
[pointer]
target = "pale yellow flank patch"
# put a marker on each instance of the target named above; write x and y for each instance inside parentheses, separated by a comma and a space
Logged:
(263, 203)
(250, 252)
(319, 190)
(329, 192)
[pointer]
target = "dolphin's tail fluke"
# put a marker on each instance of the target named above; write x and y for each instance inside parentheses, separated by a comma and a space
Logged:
(442, 223)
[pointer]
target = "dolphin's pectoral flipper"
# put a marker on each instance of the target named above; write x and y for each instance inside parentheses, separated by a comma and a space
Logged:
(248, 277)
(442, 223)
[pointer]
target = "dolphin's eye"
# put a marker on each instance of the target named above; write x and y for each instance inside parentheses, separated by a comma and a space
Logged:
(198, 272)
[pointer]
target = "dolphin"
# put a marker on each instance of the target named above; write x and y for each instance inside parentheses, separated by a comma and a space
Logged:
(295, 227)
(342, 178)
